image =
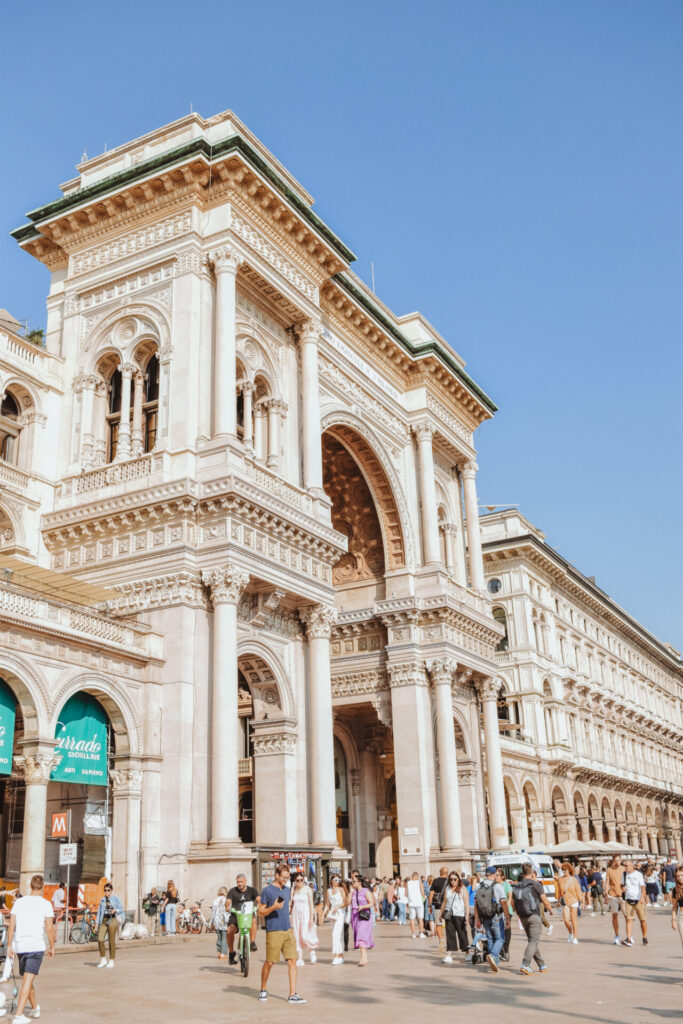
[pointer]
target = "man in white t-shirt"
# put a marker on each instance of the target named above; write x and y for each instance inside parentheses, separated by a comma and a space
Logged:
(59, 901)
(416, 911)
(634, 902)
(32, 916)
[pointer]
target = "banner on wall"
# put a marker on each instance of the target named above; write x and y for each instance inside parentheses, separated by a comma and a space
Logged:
(8, 710)
(81, 742)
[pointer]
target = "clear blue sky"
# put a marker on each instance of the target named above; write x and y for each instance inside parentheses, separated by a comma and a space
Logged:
(512, 168)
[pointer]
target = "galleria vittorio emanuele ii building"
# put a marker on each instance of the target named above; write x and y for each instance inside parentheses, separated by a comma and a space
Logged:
(247, 608)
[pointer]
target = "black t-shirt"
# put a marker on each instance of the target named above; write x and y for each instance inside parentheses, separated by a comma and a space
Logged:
(171, 899)
(238, 898)
(596, 879)
(437, 887)
(669, 872)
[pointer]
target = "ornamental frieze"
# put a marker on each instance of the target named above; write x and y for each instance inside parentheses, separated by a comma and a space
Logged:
(130, 244)
(116, 290)
(272, 256)
(345, 386)
(354, 684)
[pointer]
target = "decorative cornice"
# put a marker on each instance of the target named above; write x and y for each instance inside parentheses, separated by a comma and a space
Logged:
(225, 584)
(353, 684)
(183, 587)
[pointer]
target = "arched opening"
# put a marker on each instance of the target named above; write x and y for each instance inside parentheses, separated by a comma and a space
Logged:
(341, 796)
(500, 617)
(9, 429)
(593, 817)
(579, 811)
(560, 824)
(530, 807)
(150, 408)
(508, 812)
(509, 714)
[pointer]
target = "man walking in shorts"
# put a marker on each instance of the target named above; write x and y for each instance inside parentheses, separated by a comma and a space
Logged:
(634, 902)
(615, 892)
(274, 906)
(32, 916)
(416, 906)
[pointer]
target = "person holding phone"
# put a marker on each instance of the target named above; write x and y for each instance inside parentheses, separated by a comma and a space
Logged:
(280, 941)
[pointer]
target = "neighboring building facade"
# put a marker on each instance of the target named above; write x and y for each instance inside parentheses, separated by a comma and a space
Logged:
(591, 709)
(276, 476)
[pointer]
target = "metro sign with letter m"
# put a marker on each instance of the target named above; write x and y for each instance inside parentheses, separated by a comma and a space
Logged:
(60, 825)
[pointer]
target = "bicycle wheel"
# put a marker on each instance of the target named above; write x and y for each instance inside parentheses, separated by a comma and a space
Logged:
(182, 925)
(196, 925)
(244, 954)
(80, 932)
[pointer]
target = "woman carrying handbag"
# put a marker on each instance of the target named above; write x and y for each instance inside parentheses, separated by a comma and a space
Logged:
(454, 914)
(362, 905)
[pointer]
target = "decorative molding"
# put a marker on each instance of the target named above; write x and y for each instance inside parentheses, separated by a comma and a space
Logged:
(130, 244)
(409, 673)
(126, 780)
(272, 256)
(274, 743)
(354, 684)
(424, 431)
(37, 768)
(449, 421)
(347, 387)
(441, 671)
(226, 260)
(183, 587)
(488, 689)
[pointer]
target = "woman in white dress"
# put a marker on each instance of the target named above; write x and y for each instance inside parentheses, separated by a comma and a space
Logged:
(335, 909)
(301, 912)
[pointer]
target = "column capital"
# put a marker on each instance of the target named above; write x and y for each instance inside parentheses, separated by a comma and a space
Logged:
(127, 370)
(450, 528)
(225, 260)
(274, 737)
(407, 673)
(468, 470)
(275, 405)
(101, 388)
(424, 431)
(126, 780)
(226, 584)
(318, 620)
(309, 331)
(441, 671)
(37, 767)
(139, 376)
(247, 387)
(488, 689)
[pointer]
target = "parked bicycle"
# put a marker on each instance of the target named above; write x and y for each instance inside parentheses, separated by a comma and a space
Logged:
(84, 926)
(191, 919)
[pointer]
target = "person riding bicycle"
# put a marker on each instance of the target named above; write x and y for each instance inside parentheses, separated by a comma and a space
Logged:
(240, 894)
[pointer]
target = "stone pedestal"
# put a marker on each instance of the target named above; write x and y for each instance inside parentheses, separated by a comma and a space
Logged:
(274, 782)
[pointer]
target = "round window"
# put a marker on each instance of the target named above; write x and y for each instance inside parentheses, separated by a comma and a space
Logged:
(493, 586)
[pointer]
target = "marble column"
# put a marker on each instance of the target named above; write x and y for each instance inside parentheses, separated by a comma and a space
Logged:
(274, 774)
(441, 673)
(100, 423)
(36, 769)
(226, 586)
(276, 410)
(126, 780)
(488, 693)
(248, 415)
(476, 564)
(123, 445)
(87, 422)
(319, 620)
(259, 423)
(449, 531)
(611, 830)
(430, 524)
(136, 438)
(309, 339)
(357, 831)
(226, 262)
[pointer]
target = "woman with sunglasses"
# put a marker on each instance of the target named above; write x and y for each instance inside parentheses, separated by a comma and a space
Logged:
(303, 921)
(362, 906)
(455, 910)
(335, 909)
(108, 921)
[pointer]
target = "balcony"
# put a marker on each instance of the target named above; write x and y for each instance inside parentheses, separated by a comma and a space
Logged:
(14, 478)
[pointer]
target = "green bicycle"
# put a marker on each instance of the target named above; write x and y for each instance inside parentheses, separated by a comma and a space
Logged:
(245, 916)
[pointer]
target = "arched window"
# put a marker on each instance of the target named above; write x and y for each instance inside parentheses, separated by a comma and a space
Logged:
(9, 429)
(500, 617)
(150, 409)
(113, 415)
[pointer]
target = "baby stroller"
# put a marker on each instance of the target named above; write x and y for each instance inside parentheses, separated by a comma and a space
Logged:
(478, 948)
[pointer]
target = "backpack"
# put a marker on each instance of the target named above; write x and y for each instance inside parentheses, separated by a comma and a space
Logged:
(525, 899)
(487, 906)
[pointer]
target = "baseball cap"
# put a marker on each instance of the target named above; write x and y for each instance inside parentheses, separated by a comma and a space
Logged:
(491, 870)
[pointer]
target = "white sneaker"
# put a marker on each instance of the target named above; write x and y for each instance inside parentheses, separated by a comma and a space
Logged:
(448, 959)
(414, 936)
(103, 962)
(21, 1019)
(337, 960)
(617, 941)
(422, 935)
(300, 963)
(570, 939)
(34, 1013)
(313, 956)
(111, 963)
(575, 941)
(550, 929)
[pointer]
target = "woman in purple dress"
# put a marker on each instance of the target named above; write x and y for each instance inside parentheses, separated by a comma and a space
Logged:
(362, 904)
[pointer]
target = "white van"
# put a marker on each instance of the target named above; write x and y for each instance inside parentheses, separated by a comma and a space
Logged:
(513, 861)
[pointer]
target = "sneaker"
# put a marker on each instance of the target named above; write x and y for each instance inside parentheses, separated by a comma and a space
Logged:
(295, 999)
(627, 942)
(550, 929)
(593, 914)
(525, 969)
(414, 936)
(111, 963)
(103, 962)
(337, 960)
(543, 967)
(300, 963)
(645, 942)
(575, 941)
(232, 958)
(422, 935)
(448, 959)
(570, 939)
(263, 995)
(34, 1013)
(21, 1019)
(492, 963)
(617, 940)
(313, 957)
(253, 947)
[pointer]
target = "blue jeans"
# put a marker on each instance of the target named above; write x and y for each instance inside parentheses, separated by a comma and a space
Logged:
(385, 909)
(392, 911)
(170, 918)
(402, 913)
(495, 935)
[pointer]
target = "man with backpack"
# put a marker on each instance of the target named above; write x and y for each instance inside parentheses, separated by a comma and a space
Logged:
(527, 897)
(491, 913)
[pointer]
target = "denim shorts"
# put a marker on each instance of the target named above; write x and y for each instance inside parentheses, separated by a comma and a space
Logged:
(29, 963)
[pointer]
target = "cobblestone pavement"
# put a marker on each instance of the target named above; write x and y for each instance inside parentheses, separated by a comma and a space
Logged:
(181, 980)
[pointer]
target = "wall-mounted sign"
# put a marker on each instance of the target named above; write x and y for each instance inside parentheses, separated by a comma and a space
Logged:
(68, 854)
(81, 742)
(8, 710)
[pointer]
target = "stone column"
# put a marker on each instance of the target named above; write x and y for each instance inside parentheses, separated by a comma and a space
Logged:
(450, 531)
(226, 586)
(126, 781)
(123, 446)
(441, 673)
(276, 409)
(36, 770)
(136, 439)
(309, 339)
(488, 692)
(430, 523)
(476, 564)
(274, 775)
(226, 262)
(319, 620)
(100, 423)
(87, 422)
(248, 435)
(259, 417)
(357, 833)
